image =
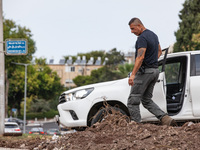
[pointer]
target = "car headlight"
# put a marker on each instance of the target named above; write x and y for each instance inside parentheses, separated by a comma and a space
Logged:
(80, 94)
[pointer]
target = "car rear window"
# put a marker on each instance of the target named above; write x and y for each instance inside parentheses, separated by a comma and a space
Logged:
(11, 126)
(36, 129)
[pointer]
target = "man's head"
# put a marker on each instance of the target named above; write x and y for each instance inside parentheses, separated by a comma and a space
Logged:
(136, 26)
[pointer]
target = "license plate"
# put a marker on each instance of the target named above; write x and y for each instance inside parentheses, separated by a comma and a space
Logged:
(35, 133)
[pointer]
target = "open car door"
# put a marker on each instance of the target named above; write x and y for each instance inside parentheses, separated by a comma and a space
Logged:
(159, 93)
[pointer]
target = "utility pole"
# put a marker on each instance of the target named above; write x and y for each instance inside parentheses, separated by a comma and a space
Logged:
(25, 89)
(2, 75)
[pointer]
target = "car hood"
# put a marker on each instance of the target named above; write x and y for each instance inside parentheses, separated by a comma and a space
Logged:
(92, 86)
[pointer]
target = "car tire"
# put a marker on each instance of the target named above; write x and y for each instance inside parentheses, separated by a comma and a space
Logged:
(102, 113)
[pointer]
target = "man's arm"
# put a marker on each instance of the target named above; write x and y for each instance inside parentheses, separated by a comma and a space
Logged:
(138, 62)
(159, 50)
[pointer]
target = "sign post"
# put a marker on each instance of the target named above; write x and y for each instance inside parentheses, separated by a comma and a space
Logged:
(25, 89)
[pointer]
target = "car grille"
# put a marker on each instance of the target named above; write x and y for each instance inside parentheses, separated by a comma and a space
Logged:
(62, 98)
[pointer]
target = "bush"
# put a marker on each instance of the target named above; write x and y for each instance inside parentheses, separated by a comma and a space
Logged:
(41, 115)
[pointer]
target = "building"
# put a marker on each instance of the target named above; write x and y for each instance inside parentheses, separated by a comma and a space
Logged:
(67, 71)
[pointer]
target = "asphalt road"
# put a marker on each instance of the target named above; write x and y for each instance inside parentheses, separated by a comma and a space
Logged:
(46, 126)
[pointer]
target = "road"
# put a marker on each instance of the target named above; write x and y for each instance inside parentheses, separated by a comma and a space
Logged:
(46, 126)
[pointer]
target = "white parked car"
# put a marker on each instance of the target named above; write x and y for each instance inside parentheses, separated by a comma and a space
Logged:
(176, 92)
(12, 128)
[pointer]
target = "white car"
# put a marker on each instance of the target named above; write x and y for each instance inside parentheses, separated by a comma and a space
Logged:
(12, 128)
(176, 92)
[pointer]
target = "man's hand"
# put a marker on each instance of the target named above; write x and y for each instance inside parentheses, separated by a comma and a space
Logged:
(131, 79)
(138, 62)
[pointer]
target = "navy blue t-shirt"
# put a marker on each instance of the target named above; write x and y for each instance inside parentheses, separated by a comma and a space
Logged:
(149, 40)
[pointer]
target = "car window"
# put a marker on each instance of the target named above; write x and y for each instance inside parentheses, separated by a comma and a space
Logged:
(36, 129)
(11, 126)
(195, 65)
(172, 72)
(197, 60)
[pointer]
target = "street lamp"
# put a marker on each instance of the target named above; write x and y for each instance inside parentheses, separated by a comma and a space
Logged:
(25, 89)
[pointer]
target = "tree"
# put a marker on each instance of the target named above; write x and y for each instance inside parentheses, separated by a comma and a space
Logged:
(11, 30)
(125, 69)
(108, 72)
(102, 74)
(196, 40)
(189, 27)
(83, 80)
(39, 105)
(114, 57)
(42, 83)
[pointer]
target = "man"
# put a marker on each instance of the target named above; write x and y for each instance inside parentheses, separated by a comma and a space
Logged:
(145, 73)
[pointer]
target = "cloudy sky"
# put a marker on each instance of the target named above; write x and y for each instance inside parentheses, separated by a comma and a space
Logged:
(68, 27)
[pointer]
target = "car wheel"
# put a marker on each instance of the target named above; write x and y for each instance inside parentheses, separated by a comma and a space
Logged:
(102, 113)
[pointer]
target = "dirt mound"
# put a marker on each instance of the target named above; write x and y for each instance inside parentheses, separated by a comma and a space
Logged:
(114, 132)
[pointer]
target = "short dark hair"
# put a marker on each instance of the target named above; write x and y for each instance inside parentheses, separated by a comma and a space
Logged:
(136, 21)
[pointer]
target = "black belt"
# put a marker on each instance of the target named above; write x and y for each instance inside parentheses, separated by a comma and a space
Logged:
(144, 67)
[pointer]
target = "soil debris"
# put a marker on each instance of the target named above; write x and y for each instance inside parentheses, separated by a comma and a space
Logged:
(116, 133)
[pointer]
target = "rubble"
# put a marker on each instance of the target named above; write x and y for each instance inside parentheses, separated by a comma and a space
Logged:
(116, 133)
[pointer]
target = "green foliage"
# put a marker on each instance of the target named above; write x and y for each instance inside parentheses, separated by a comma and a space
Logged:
(54, 101)
(39, 105)
(48, 82)
(11, 30)
(125, 69)
(42, 83)
(114, 57)
(51, 113)
(189, 27)
(104, 74)
(41, 115)
(196, 41)
(82, 80)
(108, 72)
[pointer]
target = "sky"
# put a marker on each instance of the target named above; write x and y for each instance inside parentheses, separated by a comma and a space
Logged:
(68, 27)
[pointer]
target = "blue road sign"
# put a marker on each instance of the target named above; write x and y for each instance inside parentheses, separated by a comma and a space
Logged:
(14, 109)
(16, 47)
